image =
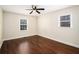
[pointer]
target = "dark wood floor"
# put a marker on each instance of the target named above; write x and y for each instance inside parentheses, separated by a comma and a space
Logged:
(36, 45)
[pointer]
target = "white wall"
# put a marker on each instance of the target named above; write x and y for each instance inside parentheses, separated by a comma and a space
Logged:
(1, 19)
(48, 26)
(11, 25)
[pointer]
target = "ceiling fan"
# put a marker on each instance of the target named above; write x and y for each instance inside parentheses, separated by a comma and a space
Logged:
(34, 8)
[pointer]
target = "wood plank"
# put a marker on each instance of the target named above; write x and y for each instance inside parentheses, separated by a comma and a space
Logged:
(36, 45)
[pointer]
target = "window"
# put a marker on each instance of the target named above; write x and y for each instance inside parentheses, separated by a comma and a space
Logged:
(65, 21)
(23, 24)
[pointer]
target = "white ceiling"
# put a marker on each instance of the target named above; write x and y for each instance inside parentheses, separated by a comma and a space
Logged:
(21, 8)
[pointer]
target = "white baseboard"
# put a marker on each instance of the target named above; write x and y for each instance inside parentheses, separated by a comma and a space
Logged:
(67, 43)
(12, 39)
(16, 37)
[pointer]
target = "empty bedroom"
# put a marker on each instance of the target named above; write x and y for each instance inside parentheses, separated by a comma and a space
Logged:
(39, 29)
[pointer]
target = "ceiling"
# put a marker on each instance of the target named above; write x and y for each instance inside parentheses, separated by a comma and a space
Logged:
(20, 9)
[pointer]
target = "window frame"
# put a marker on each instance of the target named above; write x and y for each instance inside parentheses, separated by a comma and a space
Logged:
(23, 24)
(70, 21)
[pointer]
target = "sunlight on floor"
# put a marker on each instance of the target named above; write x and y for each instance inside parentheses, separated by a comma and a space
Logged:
(24, 48)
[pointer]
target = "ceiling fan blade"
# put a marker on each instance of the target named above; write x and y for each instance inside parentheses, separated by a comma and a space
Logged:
(31, 12)
(40, 9)
(37, 11)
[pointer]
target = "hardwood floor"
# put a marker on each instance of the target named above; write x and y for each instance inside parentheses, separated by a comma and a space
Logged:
(36, 45)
